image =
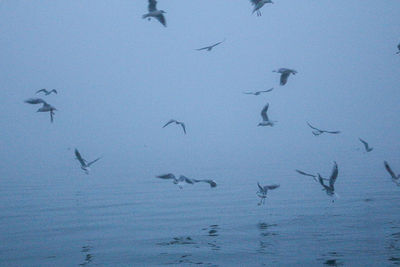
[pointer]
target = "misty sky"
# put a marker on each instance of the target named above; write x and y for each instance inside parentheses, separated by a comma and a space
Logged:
(120, 78)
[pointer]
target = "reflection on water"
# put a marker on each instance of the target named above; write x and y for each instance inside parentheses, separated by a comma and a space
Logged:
(88, 256)
(267, 243)
(393, 246)
(332, 259)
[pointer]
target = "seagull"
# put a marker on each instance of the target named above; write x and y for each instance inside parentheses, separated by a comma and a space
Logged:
(395, 178)
(262, 191)
(258, 92)
(258, 4)
(367, 147)
(330, 190)
(183, 179)
(84, 164)
(317, 131)
(45, 108)
(285, 74)
(210, 47)
(266, 121)
(176, 122)
(155, 13)
(46, 92)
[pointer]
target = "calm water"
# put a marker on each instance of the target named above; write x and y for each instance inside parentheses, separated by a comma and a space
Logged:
(136, 221)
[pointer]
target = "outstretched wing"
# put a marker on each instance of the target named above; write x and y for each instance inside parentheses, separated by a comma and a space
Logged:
(332, 132)
(187, 180)
(90, 163)
(169, 122)
(255, 2)
(312, 127)
(54, 90)
(264, 112)
(79, 158)
(152, 5)
(364, 143)
(266, 91)
(390, 171)
(334, 175)
(212, 183)
(183, 126)
(272, 187)
(161, 19)
(203, 48)
(306, 174)
(35, 101)
(167, 176)
(41, 90)
(260, 187)
(284, 77)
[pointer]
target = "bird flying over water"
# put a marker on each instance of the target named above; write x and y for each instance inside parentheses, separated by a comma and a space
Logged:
(258, 4)
(266, 121)
(317, 131)
(258, 92)
(84, 164)
(210, 47)
(176, 122)
(183, 179)
(45, 108)
(263, 190)
(155, 13)
(395, 178)
(285, 74)
(367, 147)
(46, 92)
(330, 189)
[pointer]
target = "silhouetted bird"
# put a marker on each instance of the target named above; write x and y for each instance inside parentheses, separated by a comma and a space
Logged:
(258, 92)
(84, 164)
(330, 189)
(45, 108)
(317, 131)
(183, 179)
(395, 178)
(46, 92)
(367, 147)
(210, 47)
(155, 13)
(285, 74)
(176, 122)
(266, 121)
(258, 4)
(263, 190)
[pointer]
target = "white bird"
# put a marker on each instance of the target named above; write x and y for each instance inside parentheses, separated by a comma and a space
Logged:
(258, 92)
(330, 190)
(155, 13)
(266, 121)
(258, 4)
(317, 131)
(176, 122)
(395, 178)
(263, 190)
(183, 179)
(84, 164)
(367, 147)
(46, 92)
(285, 74)
(45, 108)
(210, 47)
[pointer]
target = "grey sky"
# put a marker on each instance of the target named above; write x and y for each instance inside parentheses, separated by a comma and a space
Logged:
(120, 78)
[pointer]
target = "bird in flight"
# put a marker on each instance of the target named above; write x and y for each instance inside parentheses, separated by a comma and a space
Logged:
(367, 147)
(155, 13)
(45, 106)
(176, 122)
(317, 131)
(330, 189)
(258, 92)
(183, 179)
(263, 190)
(266, 121)
(46, 92)
(210, 47)
(395, 178)
(285, 74)
(84, 164)
(258, 4)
